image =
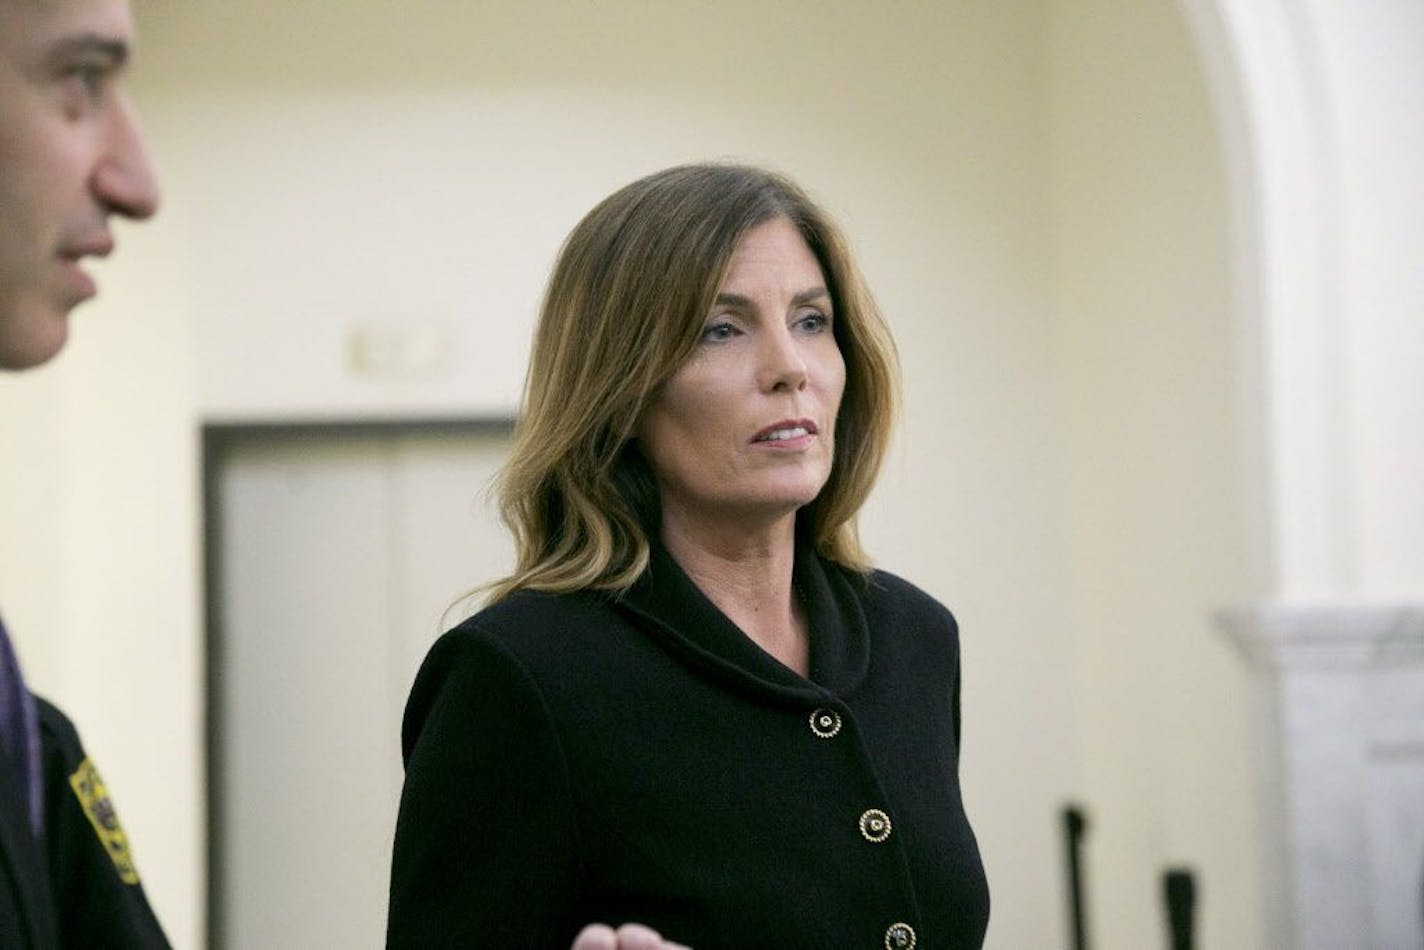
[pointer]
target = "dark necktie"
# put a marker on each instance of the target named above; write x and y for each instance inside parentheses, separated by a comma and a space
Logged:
(20, 734)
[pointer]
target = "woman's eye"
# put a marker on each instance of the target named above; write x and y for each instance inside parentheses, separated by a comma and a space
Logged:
(814, 322)
(718, 332)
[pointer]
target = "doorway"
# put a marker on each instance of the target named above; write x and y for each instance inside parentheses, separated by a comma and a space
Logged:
(335, 555)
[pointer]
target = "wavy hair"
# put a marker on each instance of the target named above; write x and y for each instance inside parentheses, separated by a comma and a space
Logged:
(625, 306)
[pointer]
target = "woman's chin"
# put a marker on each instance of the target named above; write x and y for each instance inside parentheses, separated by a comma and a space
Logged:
(788, 499)
(765, 509)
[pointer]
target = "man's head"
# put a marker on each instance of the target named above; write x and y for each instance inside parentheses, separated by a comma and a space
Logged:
(70, 156)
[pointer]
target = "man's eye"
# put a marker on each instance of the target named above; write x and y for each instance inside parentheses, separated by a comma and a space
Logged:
(93, 79)
(89, 78)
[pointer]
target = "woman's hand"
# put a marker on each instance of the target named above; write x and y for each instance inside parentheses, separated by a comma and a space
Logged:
(627, 937)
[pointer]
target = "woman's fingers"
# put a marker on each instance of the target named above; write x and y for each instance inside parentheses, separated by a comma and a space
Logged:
(627, 937)
(596, 937)
(638, 937)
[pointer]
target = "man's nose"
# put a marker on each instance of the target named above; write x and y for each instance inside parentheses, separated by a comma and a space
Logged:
(124, 180)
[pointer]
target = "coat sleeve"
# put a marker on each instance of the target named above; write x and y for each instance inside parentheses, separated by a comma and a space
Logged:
(958, 676)
(486, 847)
(99, 900)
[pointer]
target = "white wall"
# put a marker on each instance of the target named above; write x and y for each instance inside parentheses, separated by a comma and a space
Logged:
(1319, 103)
(340, 163)
(1034, 192)
(1371, 57)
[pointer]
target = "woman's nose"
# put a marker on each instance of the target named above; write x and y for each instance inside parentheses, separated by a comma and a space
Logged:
(783, 363)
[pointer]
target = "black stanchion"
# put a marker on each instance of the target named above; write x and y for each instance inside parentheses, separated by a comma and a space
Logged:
(1075, 826)
(1180, 891)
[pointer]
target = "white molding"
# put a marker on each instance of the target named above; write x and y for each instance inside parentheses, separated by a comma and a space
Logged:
(1340, 636)
(1338, 699)
(1268, 89)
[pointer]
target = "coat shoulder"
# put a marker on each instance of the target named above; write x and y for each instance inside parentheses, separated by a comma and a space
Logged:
(891, 597)
(537, 629)
(529, 642)
(56, 729)
(529, 610)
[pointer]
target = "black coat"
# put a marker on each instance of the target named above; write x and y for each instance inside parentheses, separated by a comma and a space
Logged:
(78, 889)
(575, 758)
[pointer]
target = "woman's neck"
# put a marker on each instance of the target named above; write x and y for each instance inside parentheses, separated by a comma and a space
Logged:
(747, 574)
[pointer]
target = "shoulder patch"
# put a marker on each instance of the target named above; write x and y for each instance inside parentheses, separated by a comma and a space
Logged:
(93, 796)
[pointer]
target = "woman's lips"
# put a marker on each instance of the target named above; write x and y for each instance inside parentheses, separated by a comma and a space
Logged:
(788, 434)
(783, 435)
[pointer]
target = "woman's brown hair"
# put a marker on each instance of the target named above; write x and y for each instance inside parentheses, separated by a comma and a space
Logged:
(630, 292)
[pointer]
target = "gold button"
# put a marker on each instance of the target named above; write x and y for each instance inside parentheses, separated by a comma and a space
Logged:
(900, 937)
(825, 723)
(874, 825)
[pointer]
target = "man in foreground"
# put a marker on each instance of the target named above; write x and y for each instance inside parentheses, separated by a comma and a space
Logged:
(70, 157)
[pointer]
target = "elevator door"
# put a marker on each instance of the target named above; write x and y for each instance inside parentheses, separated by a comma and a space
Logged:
(335, 556)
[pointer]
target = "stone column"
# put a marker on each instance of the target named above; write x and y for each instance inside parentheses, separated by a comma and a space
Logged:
(1339, 732)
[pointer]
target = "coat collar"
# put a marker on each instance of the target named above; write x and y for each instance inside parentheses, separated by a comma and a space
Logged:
(670, 607)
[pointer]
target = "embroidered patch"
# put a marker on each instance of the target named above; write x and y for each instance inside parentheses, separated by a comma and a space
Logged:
(94, 797)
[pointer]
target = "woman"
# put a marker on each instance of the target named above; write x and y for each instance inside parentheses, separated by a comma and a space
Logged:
(693, 704)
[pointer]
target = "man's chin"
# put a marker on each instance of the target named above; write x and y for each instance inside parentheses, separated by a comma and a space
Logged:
(31, 335)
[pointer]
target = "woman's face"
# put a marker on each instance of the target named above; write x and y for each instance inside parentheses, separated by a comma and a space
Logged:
(745, 429)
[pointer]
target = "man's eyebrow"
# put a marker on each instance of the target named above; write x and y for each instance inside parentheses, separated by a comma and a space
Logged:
(92, 44)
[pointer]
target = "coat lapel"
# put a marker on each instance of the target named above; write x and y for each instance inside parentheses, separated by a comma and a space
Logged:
(23, 868)
(671, 608)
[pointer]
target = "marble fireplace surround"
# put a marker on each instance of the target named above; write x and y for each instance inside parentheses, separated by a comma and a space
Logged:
(1338, 708)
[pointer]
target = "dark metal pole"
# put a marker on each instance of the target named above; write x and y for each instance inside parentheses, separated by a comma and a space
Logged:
(1075, 826)
(1180, 890)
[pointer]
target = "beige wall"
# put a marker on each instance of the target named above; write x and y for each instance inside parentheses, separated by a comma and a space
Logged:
(1033, 191)
(1146, 348)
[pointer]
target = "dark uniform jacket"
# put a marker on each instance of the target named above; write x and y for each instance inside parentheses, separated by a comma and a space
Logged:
(79, 887)
(575, 758)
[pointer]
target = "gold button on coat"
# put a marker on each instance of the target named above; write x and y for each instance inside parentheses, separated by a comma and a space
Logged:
(825, 723)
(900, 937)
(874, 825)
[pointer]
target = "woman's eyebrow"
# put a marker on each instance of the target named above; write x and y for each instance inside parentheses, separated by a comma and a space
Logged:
(809, 295)
(733, 300)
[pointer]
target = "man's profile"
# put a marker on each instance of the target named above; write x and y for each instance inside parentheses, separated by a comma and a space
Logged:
(71, 157)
